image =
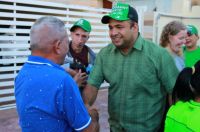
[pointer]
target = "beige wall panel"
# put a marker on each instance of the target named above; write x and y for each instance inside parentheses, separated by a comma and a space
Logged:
(93, 3)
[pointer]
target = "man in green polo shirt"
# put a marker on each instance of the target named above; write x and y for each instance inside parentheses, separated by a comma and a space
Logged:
(139, 72)
(191, 50)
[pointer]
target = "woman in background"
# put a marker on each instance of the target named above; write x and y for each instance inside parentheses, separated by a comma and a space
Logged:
(173, 37)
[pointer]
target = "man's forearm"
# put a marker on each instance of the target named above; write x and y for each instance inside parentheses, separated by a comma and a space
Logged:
(170, 99)
(89, 94)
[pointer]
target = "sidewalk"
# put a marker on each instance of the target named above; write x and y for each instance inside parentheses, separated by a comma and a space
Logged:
(9, 118)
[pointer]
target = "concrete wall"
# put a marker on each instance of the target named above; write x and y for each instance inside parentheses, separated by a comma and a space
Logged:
(152, 5)
(186, 7)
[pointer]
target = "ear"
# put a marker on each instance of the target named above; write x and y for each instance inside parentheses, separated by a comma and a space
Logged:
(88, 37)
(197, 37)
(57, 47)
(135, 27)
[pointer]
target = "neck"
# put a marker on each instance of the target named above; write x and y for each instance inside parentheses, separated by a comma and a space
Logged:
(125, 50)
(47, 56)
(191, 48)
(179, 53)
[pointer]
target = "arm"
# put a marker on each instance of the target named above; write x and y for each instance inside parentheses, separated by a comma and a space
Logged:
(87, 119)
(89, 95)
(170, 99)
(94, 125)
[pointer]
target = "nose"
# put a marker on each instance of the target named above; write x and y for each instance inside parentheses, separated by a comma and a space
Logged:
(79, 39)
(113, 32)
(184, 40)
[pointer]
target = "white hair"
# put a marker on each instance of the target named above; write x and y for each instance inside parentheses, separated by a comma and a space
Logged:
(45, 31)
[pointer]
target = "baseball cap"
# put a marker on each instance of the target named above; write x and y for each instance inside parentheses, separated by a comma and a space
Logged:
(191, 29)
(82, 23)
(121, 12)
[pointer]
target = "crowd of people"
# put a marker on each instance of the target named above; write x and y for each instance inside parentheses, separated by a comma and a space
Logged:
(58, 85)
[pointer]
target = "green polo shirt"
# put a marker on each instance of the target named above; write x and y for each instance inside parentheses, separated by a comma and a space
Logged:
(139, 82)
(183, 117)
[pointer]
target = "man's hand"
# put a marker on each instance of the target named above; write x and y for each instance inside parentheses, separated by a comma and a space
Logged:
(93, 113)
(79, 77)
(71, 71)
(94, 125)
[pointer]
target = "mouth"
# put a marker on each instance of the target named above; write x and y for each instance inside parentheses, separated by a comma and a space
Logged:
(116, 39)
(80, 45)
(188, 41)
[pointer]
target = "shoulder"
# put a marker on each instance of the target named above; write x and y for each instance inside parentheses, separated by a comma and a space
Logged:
(177, 108)
(108, 49)
(198, 48)
(59, 74)
(90, 50)
(151, 46)
(186, 113)
(154, 51)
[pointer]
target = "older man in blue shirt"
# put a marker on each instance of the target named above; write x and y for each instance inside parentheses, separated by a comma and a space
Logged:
(47, 97)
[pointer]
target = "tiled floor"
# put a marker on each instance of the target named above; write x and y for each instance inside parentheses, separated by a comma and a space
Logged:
(9, 119)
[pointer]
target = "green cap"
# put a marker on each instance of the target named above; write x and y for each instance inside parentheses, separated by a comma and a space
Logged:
(82, 23)
(191, 29)
(121, 12)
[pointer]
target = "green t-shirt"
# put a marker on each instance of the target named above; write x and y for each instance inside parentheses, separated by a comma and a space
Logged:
(139, 82)
(191, 57)
(183, 117)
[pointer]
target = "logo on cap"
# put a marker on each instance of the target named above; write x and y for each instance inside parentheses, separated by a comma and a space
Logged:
(82, 23)
(121, 12)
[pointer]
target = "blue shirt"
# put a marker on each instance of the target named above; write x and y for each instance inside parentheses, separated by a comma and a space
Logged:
(48, 99)
(179, 61)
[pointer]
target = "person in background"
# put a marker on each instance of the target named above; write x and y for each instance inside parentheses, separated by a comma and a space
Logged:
(47, 98)
(172, 38)
(184, 114)
(80, 56)
(191, 50)
(140, 74)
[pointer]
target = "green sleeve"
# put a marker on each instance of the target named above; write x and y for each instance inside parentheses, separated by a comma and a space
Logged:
(96, 76)
(168, 71)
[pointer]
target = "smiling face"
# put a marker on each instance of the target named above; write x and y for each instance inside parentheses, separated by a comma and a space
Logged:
(79, 38)
(191, 41)
(122, 33)
(176, 41)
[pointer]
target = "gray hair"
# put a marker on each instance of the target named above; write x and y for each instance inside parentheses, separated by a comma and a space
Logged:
(172, 28)
(45, 31)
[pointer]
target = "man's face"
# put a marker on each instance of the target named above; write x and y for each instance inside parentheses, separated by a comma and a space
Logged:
(191, 40)
(121, 33)
(79, 38)
(176, 41)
